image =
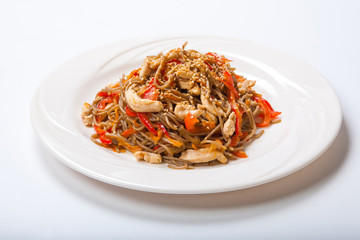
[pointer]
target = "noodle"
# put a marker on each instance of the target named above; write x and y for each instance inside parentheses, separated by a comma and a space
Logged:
(183, 108)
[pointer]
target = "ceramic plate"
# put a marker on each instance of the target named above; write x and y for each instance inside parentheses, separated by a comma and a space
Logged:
(311, 117)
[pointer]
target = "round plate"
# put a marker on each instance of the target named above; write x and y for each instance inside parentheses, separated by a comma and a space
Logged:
(311, 117)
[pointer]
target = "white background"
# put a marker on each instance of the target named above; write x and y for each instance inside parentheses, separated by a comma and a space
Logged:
(40, 198)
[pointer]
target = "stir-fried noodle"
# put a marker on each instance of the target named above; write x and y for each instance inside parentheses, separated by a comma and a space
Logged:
(183, 108)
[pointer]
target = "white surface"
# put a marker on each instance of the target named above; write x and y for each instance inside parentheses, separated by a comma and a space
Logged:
(311, 117)
(41, 198)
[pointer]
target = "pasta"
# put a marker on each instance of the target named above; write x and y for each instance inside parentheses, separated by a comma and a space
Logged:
(184, 108)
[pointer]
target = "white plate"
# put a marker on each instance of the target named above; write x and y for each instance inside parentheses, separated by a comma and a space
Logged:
(311, 117)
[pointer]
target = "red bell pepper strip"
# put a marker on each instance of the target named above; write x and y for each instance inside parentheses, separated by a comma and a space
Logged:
(151, 92)
(133, 73)
(102, 94)
(105, 140)
(240, 154)
(229, 83)
(130, 112)
(106, 94)
(101, 132)
(244, 135)
(238, 115)
(156, 147)
(239, 78)
(235, 139)
(268, 114)
(163, 129)
(144, 119)
(220, 60)
(273, 113)
(174, 142)
(266, 117)
(234, 94)
(175, 61)
(190, 122)
(193, 125)
(102, 104)
(128, 132)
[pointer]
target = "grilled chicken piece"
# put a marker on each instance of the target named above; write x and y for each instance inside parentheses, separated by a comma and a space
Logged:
(138, 104)
(229, 126)
(148, 157)
(86, 115)
(209, 105)
(183, 108)
(203, 155)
